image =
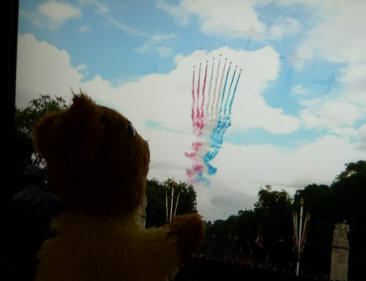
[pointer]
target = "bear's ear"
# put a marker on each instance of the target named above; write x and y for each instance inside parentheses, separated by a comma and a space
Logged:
(81, 103)
(43, 133)
(54, 128)
(82, 117)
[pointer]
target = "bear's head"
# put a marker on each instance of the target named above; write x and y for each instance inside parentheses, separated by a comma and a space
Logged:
(97, 162)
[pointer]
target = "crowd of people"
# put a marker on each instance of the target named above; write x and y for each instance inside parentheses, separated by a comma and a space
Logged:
(206, 268)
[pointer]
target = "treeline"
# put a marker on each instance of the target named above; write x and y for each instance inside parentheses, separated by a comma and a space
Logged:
(264, 235)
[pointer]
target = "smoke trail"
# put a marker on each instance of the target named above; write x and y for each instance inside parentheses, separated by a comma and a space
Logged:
(211, 110)
(236, 86)
(217, 140)
(208, 115)
(219, 124)
(229, 92)
(216, 80)
(223, 123)
(197, 166)
(202, 124)
(193, 97)
(219, 90)
(198, 97)
(223, 90)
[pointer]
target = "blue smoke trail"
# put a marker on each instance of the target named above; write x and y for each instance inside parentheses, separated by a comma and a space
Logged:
(223, 90)
(228, 95)
(232, 98)
(201, 178)
(223, 123)
(220, 115)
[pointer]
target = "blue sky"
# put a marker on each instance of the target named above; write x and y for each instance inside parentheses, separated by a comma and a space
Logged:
(301, 98)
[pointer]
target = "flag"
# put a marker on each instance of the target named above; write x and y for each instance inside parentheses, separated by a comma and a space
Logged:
(259, 240)
(305, 231)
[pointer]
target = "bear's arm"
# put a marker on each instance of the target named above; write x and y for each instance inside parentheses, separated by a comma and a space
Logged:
(154, 256)
(161, 251)
(189, 231)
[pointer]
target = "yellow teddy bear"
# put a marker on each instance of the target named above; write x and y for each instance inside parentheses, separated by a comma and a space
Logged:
(98, 165)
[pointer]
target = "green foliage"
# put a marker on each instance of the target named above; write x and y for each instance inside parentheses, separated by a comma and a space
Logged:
(273, 213)
(156, 193)
(349, 190)
(353, 170)
(25, 120)
(343, 200)
(319, 201)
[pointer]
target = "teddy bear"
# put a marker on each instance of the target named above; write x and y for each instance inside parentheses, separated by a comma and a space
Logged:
(97, 165)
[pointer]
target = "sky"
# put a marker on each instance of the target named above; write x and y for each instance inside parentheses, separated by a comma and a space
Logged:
(298, 113)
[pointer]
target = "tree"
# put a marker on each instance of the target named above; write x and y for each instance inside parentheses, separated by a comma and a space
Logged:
(349, 189)
(319, 202)
(271, 219)
(156, 193)
(25, 119)
(344, 199)
(273, 212)
(352, 169)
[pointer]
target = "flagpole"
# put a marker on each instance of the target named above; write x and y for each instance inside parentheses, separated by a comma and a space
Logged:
(171, 203)
(299, 239)
(176, 205)
(166, 206)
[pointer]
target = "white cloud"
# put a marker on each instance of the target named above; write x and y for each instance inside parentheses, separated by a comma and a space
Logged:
(153, 43)
(43, 69)
(217, 201)
(231, 19)
(284, 27)
(57, 13)
(299, 90)
(339, 34)
(32, 16)
(339, 110)
(99, 7)
(318, 161)
(362, 136)
(124, 27)
(179, 14)
(331, 114)
(242, 170)
(164, 51)
(226, 18)
(83, 70)
(84, 29)
(354, 83)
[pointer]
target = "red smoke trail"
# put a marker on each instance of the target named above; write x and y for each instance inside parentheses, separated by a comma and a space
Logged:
(209, 96)
(197, 165)
(196, 146)
(198, 97)
(202, 124)
(193, 97)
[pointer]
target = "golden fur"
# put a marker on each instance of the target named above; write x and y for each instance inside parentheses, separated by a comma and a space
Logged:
(99, 169)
